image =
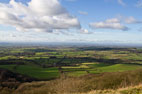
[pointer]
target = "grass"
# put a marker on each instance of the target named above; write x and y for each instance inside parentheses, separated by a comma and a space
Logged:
(7, 57)
(34, 71)
(83, 74)
(77, 73)
(79, 70)
(85, 68)
(128, 90)
(105, 83)
(116, 68)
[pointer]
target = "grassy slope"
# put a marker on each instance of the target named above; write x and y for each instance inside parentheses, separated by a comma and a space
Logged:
(106, 83)
(34, 71)
(85, 68)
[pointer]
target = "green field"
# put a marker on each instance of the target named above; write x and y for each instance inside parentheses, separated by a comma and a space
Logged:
(48, 63)
(34, 71)
(83, 69)
(99, 68)
(67, 70)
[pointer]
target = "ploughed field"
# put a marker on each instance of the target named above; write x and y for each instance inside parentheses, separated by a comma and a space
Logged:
(45, 63)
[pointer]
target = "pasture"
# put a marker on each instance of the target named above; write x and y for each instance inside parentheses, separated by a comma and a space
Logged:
(50, 63)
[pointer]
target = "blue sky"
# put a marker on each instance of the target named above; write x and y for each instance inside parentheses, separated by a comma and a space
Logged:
(117, 21)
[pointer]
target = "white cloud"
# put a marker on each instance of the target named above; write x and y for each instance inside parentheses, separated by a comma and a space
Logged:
(121, 2)
(84, 31)
(83, 13)
(113, 23)
(12, 35)
(132, 20)
(37, 15)
(113, 20)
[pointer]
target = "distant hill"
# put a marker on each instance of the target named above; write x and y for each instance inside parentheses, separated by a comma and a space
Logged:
(72, 44)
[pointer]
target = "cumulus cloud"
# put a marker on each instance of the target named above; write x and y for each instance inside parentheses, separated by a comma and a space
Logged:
(37, 15)
(132, 20)
(113, 23)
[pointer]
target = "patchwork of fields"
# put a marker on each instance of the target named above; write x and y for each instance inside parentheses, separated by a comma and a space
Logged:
(50, 63)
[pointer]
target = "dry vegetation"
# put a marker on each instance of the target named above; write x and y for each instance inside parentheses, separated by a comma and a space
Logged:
(127, 90)
(101, 83)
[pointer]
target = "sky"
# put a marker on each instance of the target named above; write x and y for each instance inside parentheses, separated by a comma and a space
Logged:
(97, 21)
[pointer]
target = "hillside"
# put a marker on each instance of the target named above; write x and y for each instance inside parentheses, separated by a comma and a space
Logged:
(127, 90)
(97, 83)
